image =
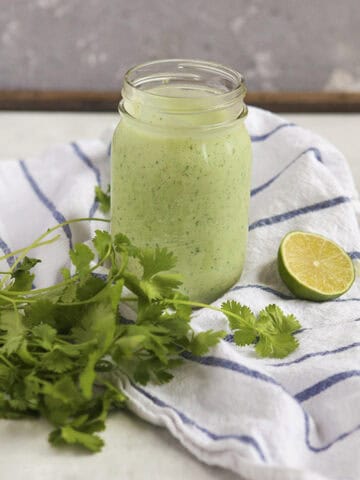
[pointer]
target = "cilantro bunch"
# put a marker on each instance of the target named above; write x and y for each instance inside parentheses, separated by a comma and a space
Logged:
(62, 348)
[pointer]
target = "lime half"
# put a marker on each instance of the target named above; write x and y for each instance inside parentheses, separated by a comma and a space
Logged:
(314, 267)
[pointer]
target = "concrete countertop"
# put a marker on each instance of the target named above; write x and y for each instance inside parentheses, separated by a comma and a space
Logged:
(147, 451)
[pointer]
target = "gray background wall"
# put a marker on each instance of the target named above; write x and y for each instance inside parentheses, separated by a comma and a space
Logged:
(88, 44)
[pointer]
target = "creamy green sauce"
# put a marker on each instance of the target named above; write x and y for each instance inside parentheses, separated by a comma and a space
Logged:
(188, 190)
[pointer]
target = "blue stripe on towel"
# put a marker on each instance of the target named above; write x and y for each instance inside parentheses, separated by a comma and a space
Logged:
(323, 385)
(262, 187)
(316, 354)
(328, 445)
(88, 162)
(5, 248)
(351, 299)
(285, 296)
(281, 295)
(229, 338)
(327, 326)
(46, 201)
(354, 255)
(126, 321)
(299, 211)
(236, 367)
(264, 136)
(247, 439)
(301, 330)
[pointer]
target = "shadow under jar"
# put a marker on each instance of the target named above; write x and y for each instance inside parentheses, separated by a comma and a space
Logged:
(181, 160)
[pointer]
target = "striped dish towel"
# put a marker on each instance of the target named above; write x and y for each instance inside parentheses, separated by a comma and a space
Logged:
(264, 419)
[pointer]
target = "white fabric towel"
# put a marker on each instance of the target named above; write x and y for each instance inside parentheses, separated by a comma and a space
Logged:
(265, 419)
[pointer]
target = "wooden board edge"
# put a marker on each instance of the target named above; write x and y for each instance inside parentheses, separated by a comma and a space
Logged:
(84, 101)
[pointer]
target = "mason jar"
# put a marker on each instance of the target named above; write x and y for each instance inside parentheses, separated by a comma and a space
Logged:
(181, 159)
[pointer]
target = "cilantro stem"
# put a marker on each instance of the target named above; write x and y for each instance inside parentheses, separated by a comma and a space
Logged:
(124, 263)
(95, 299)
(7, 299)
(6, 361)
(50, 230)
(19, 250)
(39, 291)
(83, 302)
(17, 300)
(203, 305)
(133, 286)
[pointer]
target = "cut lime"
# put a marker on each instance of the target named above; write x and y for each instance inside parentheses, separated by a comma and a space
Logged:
(314, 267)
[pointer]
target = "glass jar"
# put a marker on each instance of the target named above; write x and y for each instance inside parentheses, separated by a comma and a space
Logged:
(181, 159)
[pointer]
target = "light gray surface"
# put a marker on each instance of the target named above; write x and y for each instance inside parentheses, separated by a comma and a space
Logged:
(134, 450)
(39, 130)
(142, 451)
(88, 44)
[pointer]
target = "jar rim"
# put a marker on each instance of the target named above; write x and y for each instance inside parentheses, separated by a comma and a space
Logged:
(132, 78)
(208, 91)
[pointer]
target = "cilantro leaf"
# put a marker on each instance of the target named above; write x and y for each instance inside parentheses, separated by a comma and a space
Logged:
(63, 390)
(22, 276)
(149, 312)
(156, 261)
(271, 332)
(65, 272)
(97, 324)
(26, 265)
(274, 317)
(88, 289)
(243, 324)
(11, 323)
(5, 375)
(81, 256)
(112, 293)
(72, 436)
(121, 242)
(103, 198)
(275, 331)
(203, 341)
(102, 242)
(88, 440)
(128, 345)
(70, 292)
(40, 311)
(88, 375)
(57, 361)
(45, 335)
(278, 345)
(161, 285)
